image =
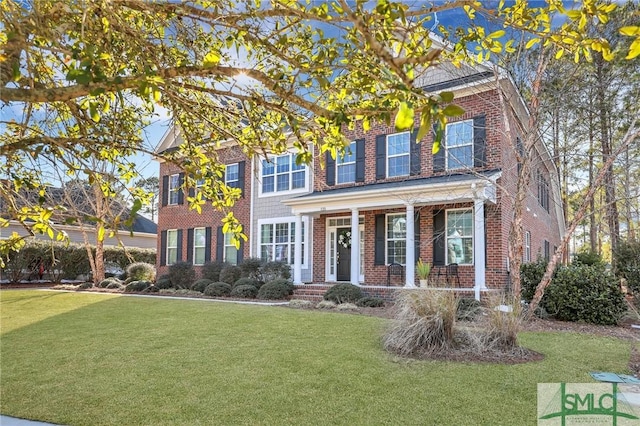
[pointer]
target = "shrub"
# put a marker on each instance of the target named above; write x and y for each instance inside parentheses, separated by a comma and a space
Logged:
(347, 307)
(152, 289)
(137, 286)
(244, 291)
(530, 276)
(141, 271)
(182, 275)
(424, 323)
(275, 270)
(248, 281)
(326, 304)
(588, 258)
(230, 274)
(343, 293)
(218, 289)
(276, 289)
(164, 283)
(627, 261)
(298, 303)
(250, 268)
(370, 302)
(201, 284)
(504, 321)
(115, 286)
(84, 286)
(585, 293)
(105, 283)
(468, 309)
(211, 270)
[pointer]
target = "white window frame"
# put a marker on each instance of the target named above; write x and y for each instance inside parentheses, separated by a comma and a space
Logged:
(407, 154)
(342, 163)
(447, 236)
(527, 246)
(458, 165)
(290, 220)
(232, 183)
(170, 247)
(173, 188)
(387, 239)
(274, 162)
(227, 244)
(197, 246)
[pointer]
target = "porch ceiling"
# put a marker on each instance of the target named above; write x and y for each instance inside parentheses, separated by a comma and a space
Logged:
(423, 191)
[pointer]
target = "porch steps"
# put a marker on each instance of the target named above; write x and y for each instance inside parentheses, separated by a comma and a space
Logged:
(311, 292)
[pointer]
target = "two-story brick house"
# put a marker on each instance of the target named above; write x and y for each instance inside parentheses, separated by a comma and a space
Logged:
(394, 197)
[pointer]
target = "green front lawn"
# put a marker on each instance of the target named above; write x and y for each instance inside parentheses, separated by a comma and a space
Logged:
(89, 359)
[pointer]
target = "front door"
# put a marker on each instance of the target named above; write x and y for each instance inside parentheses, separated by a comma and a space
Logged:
(343, 257)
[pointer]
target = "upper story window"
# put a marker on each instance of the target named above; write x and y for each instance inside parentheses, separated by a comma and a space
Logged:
(174, 189)
(396, 238)
(346, 166)
(527, 247)
(459, 233)
(231, 175)
(282, 174)
(398, 156)
(543, 191)
(459, 145)
(172, 246)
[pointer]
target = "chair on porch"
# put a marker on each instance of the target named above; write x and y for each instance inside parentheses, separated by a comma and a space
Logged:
(452, 275)
(395, 269)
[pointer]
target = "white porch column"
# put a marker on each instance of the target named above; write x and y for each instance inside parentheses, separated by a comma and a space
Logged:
(355, 247)
(479, 246)
(410, 266)
(297, 251)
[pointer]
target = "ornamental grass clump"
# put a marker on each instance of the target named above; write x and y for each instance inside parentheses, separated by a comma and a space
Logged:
(141, 271)
(504, 320)
(424, 323)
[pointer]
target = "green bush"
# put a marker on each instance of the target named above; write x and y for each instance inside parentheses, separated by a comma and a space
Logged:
(250, 268)
(588, 258)
(218, 289)
(211, 270)
(85, 286)
(370, 302)
(584, 293)
(182, 275)
(276, 290)
(627, 261)
(275, 270)
(105, 283)
(244, 291)
(248, 281)
(201, 284)
(137, 286)
(230, 274)
(343, 293)
(141, 271)
(163, 283)
(115, 286)
(530, 276)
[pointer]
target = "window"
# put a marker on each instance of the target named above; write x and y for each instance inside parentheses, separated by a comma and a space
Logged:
(543, 191)
(172, 246)
(199, 245)
(231, 175)
(230, 250)
(346, 166)
(459, 145)
(527, 246)
(174, 188)
(459, 233)
(277, 241)
(547, 250)
(283, 174)
(398, 154)
(396, 238)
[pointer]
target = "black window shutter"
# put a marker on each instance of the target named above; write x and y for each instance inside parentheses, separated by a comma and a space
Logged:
(439, 238)
(416, 228)
(190, 245)
(360, 160)
(163, 248)
(330, 164)
(439, 163)
(165, 190)
(180, 191)
(479, 141)
(241, 251)
(179, 250)
(219, 245)
(192, 192)
(241, 166)
(380, 240)
(381, 157)
(415, 158)
(207, 245)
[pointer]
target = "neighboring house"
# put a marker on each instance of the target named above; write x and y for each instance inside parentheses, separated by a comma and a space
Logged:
(389, 194)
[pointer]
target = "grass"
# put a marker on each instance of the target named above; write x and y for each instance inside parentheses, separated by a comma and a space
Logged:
(80, 359)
